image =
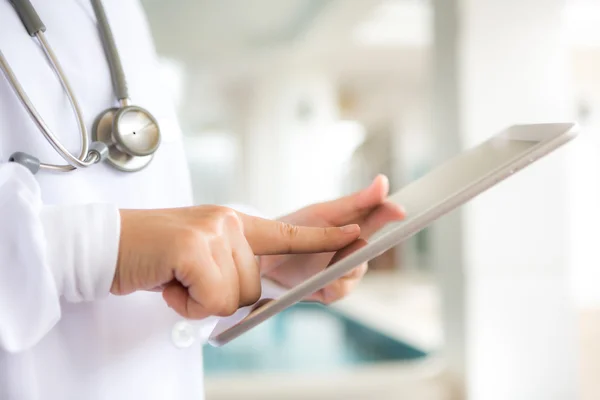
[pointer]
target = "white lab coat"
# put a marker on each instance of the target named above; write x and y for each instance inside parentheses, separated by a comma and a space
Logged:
(62, 335)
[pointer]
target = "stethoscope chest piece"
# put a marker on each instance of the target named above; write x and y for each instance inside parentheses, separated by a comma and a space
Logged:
(131, 134)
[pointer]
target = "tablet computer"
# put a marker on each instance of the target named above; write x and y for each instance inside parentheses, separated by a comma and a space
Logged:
(440, 191)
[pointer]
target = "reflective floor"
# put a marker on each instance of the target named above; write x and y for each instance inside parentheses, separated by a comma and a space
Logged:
(307, 337)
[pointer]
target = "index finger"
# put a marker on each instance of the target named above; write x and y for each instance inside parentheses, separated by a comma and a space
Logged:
(268, 237)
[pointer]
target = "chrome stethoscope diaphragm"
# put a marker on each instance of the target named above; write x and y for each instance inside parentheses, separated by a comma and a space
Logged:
(131, 134)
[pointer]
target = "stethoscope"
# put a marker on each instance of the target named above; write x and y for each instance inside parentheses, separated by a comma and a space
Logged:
(126, 136)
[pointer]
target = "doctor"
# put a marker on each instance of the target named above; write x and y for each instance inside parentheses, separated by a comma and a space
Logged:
(101, 252)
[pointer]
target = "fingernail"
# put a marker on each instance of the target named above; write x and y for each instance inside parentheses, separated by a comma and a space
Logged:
(385, 179)
(350, 229)
(401, 209)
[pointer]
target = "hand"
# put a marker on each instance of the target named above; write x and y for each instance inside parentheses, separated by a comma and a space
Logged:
(368, 208)
(203, 258)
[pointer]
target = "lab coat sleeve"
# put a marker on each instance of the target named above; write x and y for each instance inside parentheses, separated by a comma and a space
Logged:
(48, 252)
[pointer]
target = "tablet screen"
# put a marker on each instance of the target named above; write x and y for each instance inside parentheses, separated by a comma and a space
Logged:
(456, 175)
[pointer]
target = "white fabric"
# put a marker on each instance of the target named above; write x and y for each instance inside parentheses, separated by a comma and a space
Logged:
(62, 335)
(49, 251)
(74, 234)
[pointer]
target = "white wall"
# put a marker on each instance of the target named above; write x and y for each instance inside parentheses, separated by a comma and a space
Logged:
(584, 183)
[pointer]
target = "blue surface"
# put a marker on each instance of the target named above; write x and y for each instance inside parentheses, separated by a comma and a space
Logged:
(306, 337)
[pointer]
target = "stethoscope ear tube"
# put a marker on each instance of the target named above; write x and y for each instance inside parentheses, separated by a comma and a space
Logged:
(114, 61)
(74, 162)
(28, 16)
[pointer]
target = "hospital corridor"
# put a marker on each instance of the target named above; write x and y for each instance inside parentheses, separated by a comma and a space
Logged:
(496, 300)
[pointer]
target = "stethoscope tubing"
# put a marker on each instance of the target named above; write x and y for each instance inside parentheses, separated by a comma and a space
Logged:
(74, 161)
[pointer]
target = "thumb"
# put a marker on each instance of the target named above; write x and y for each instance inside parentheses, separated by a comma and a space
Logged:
(358, 204)
(267, 237)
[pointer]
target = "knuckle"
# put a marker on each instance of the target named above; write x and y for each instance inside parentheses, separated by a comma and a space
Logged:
(220, 303)
(228, 305)
(251, 295)
(229, 308)
(335, 292)
(214, 301)
(224, 216)
(216, 210)
(233, 221)
(254, 295)
(288, 230)
(223, 212)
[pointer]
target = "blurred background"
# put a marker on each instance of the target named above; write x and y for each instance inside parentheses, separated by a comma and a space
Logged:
(286, 103)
